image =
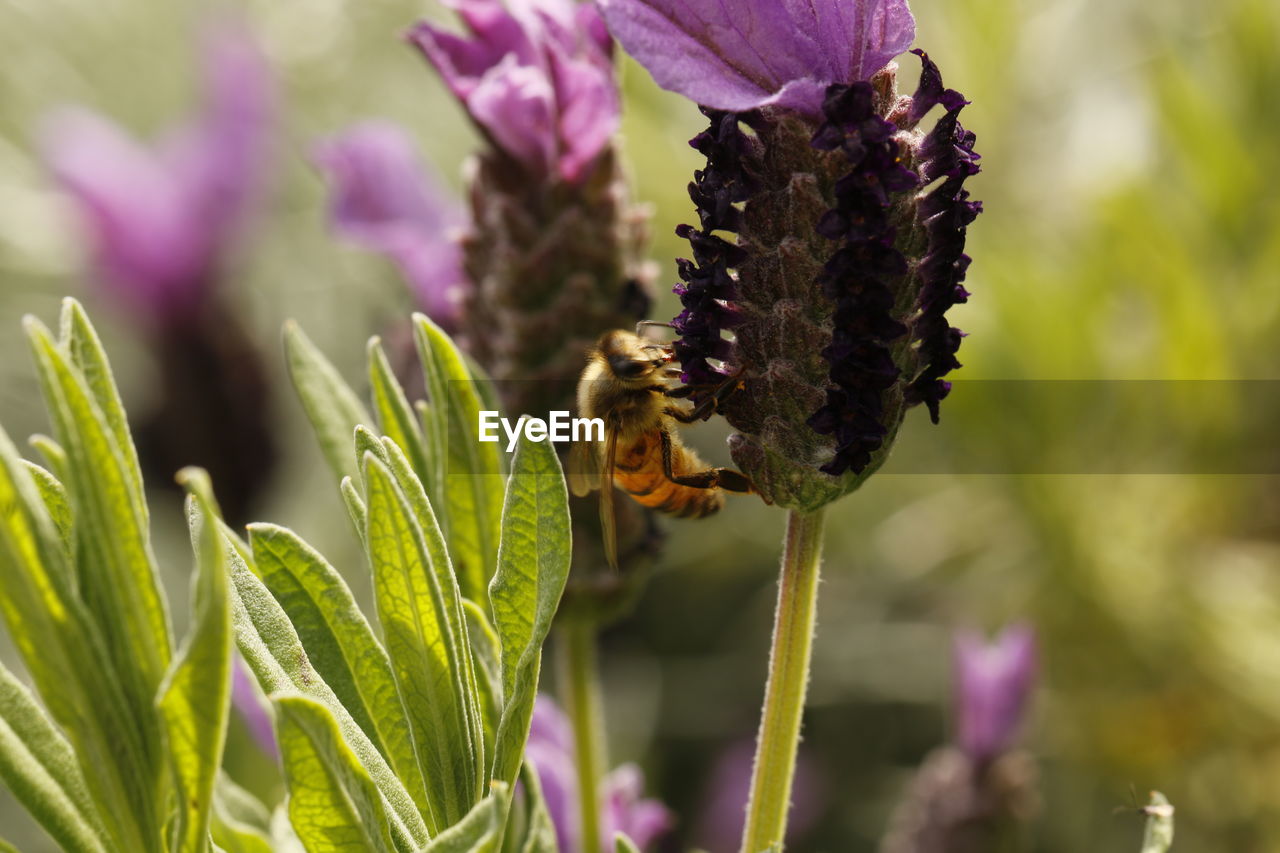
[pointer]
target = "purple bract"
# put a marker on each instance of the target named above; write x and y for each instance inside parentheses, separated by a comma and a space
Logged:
(755, 53)
(993, 683)
(536, 76)
(162, 221)
(385, 200)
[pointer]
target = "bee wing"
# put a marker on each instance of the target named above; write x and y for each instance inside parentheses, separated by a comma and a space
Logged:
(582, 468)
(608, 523)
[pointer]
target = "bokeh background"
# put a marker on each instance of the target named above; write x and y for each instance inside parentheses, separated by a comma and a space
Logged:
(1131, 238)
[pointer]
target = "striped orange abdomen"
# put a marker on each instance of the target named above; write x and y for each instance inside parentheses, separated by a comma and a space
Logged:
(638, 472)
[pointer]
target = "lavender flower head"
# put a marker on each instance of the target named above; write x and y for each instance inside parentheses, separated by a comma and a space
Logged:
(385, 200)
(977, 793)
(550, 749)
(831, 239)
(993, 684)
(163, 221)
(536, 76)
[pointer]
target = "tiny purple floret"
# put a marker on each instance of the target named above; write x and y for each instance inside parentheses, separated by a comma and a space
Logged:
(385, 200)
(162, 220)
(536, 76)
(755, 53)
(993, 683)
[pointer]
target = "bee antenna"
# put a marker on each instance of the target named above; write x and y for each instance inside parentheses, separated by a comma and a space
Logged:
(643, 323)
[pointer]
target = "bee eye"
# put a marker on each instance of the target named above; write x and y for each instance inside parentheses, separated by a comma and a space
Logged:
(624, 367)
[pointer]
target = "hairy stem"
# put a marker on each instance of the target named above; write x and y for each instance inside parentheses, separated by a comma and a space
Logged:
(779, 737)
(580, 684)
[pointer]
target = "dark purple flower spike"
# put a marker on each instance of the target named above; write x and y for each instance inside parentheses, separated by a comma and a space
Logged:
(832, 228)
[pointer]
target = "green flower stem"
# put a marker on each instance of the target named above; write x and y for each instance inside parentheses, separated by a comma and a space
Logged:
(775, 762)
(580, 685)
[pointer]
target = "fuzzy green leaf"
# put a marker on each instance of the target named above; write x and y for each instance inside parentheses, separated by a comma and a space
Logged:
(467, 473)
(533, 565)
(195, 700)
(39, 766)
(447, 582)
(418, 610)
(66, 656)
(116, 570)
(333, 803)
(623, 844)
(78, 336)
(540, 832)
(480, 831)
(240, 822)
(58, 505)
(332, 407)
(355, 507)
(270, 645)
(487, 654)
(339, 643)
(396, 417)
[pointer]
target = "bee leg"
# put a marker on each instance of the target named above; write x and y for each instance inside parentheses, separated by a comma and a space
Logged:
(708, 405)
(712, 478)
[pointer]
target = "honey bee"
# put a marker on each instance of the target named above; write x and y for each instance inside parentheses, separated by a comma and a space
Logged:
(628, 384)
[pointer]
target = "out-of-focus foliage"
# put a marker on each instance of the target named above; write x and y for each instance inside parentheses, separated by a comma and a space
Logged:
(1129, 234)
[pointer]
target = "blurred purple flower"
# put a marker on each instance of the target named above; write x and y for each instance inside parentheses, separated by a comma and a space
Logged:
(385, 200)
(741, 56)
(535, 75)
(993, 683)
(244, 696)
(163, 220)
(550, 748)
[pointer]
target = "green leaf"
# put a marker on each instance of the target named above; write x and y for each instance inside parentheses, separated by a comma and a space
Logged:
(1158, 836)
(334, 805)
(332, 407)
(58, 506)
(240, 806)
(39, 766)
(195, 699)
(540, 834)
(487, 654)
(623, 844)
(396, 417)
(54, 456)
(442, 567)
(80, 339)
(355, 507)
(467, 471)
(116, 570)
(340, 644)
(480, 831)
(533, 565)
(270, 645)
(418, 608)
(66, 656)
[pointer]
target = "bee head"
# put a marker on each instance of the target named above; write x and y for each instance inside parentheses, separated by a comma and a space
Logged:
(631, 358)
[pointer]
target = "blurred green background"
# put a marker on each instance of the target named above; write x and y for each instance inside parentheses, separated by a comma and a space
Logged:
(1132, 232)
